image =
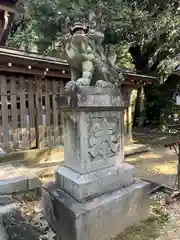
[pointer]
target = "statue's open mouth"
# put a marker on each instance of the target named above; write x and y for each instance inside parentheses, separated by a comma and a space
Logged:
(79, 28)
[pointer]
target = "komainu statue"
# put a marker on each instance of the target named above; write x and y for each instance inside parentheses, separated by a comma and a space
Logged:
(90, 64)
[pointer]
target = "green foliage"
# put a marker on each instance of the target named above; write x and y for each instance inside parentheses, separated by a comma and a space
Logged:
(124, 58)
(150, 26)
(166, 67)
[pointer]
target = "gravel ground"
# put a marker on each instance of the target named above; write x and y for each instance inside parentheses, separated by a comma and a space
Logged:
(31, 211)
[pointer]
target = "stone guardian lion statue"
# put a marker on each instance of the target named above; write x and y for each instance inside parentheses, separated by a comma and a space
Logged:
(90, 66)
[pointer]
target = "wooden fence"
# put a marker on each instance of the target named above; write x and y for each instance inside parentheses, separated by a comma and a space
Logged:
(29, 117)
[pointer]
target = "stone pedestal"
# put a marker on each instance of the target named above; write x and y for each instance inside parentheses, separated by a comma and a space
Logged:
(96, 194)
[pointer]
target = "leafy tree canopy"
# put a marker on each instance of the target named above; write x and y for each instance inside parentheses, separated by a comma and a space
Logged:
(145, 32)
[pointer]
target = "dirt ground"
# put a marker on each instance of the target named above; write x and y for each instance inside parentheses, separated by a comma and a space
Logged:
(163, 224)
(161, 166)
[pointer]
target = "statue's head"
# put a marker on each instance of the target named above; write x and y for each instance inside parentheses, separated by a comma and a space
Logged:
(79, 28)
(79, 33)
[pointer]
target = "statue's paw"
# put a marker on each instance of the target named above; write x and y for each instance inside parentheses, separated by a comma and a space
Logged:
(70, 87)
(101, 83)
(83, 82)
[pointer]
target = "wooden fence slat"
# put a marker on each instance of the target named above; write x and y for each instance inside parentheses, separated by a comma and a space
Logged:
(40, 128)
(23, 113)
(55, 113)
(14, 112)
(33, 134)
(31, 92)
(48, 113)
(4, 105)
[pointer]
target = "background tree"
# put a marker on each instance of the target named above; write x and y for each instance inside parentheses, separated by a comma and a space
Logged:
(145, 34)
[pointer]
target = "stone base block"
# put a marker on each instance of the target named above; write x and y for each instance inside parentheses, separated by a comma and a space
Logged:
(87, 186)
(101, 218)
(16, 179)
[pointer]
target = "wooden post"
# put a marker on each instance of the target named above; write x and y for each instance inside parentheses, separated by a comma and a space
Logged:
(4, 106)
(125, 121)
(39, 122)
(55, 113)
(23, 113)
(129, 122)
(14, 111)
(127, 92)
(61, 90)
(128, 112)
(31, 93)
(48, 113)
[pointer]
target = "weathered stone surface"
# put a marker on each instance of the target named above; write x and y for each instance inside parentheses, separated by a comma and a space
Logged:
(93, 97)
(94, 131)
(134, 149)
(11, 180)
(48, 154)
(96, 195)
(7, 205)
(93, 140)
(90, 63)
(13, 185)
(16, 178)
(86, 186)
(18, 228)
(101, 97)
(100, 218)
(3, 234)
(32, 179)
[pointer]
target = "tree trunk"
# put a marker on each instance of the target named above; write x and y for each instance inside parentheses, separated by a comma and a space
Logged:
(6, 29)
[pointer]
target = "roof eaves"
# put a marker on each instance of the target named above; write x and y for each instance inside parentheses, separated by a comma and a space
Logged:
(139, 75)
(54, 60)
(31, 56)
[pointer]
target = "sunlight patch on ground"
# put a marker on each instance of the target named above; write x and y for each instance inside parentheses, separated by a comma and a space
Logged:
(150, 156)
(144, 157)
(169, 168)
(133, 159)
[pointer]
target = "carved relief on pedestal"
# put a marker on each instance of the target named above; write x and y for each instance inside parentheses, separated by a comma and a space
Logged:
(104, 138)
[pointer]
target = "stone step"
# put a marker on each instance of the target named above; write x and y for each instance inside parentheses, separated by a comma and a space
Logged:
(134, 149)
(16, 178)
(48, 154)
